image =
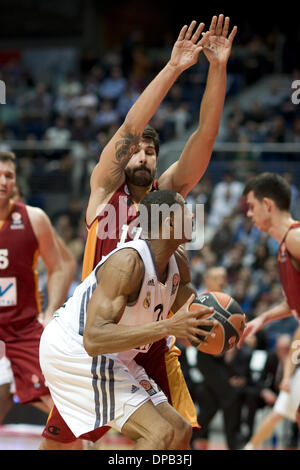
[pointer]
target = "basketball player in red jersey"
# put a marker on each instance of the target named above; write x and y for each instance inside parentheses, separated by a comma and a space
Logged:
(25, 233)
(125, 173)
(269, 198)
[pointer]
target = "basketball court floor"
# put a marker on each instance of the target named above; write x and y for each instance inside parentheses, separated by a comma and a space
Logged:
(28, 437)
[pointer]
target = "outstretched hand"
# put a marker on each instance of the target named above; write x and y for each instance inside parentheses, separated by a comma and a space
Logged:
(217, 47)
(187, 47)
(251, 329)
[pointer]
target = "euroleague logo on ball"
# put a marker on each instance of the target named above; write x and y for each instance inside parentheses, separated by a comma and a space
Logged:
(230, 319)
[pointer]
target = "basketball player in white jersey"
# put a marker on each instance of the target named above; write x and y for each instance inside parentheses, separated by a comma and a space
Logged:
(87, 352)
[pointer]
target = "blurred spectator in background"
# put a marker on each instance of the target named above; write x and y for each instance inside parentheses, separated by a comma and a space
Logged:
(113, 86)
(225, 197)
(59, 135)
(267, 392)
(223, 377)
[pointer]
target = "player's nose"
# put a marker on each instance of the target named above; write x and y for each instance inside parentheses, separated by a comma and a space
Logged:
(2, 179)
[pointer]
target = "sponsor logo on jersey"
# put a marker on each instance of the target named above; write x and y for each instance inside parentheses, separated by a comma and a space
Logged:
(53, 430)
(36, 381)
(17, 222)
(147, 300)
(134, 388)
(8, 291)
(175, 283)
(148, 387)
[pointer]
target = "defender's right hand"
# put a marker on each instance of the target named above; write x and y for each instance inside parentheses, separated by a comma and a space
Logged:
(188, 46)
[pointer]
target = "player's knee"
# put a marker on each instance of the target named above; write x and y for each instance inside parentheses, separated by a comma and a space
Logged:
(50, 444)
(6, 400)
(182, 436)
(5, 393)
(163, 437)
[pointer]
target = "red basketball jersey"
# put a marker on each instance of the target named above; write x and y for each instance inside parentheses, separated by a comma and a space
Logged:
(289, 275)
(117, 223)
(19, 251)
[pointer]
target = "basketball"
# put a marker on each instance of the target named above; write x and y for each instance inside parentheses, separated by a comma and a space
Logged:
(231, 322)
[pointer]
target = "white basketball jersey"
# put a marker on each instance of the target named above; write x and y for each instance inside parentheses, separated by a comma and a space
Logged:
(153, 303)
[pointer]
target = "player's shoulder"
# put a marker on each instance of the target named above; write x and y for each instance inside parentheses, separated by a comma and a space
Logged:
(36, 212)
(39, 219)
(292, 242)
(123, 269)
(129, 261)
(293, 235)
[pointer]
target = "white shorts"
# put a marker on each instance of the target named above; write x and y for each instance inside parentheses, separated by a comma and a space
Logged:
(6, 374)
(90, 392)
(287, 403)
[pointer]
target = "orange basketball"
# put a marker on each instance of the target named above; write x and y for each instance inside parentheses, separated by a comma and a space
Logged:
(231, 322)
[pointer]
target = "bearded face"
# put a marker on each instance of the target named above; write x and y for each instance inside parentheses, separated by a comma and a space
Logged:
(141, 168)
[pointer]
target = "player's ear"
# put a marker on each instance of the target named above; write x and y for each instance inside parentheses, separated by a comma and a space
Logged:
(167, 227)
(268, 203)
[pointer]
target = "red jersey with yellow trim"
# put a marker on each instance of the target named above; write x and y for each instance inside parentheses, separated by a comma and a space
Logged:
(19, 251)
(116, 224)
(289, 275)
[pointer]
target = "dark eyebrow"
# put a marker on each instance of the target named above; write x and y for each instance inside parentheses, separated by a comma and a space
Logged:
(148, 143)
(150, 147)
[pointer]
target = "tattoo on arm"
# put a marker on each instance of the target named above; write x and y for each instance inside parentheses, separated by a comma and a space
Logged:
(125, 148)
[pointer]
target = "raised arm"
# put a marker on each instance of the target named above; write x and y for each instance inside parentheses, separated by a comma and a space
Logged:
(188, 170)
(108, 174)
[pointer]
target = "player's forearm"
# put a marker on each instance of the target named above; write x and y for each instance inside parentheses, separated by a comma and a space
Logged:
(212, 103)
(289, 366)
(278, 312)
(146, 105)
(198, 149)
(58, 286)
(112, 338)
(293, 357)
(68, 260)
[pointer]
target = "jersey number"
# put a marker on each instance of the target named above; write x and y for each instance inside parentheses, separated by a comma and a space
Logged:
(160, 309)
(124, 233)
(4, 258)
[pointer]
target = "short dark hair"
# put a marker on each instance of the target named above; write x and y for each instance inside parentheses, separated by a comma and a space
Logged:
(272, 186)
(8, 157)
(150, 133)
(164, 197)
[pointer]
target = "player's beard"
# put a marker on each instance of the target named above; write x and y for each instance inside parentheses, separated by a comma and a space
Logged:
(134, 176)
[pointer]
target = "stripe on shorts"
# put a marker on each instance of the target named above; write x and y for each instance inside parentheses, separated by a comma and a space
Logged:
(96, 391)
(84, 306)
(81, 315)
(104, 390)
(111, 389)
